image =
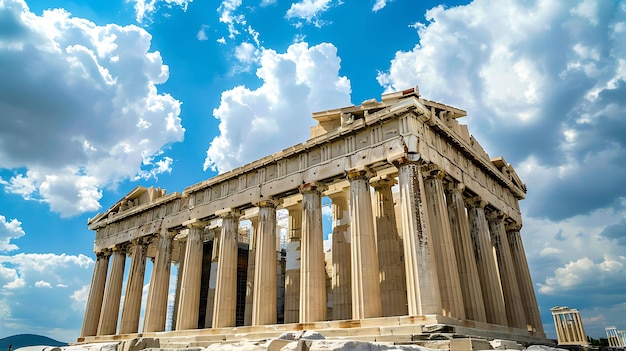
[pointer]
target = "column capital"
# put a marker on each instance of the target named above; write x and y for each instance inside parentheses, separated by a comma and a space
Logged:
(195, 223)
(229, 213)
(103, 253)
(267, 203)
(455, 187)
(433, 171)
(513, 227)
(495, 215)
(408, 158)
(475, 202)
(311, 187)
(355, 174)
(383, 181)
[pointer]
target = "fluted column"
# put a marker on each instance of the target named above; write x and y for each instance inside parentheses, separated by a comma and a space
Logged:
(182, 247)
(112, 294)
(341, 256)
(189, 304)
(525, 283)
(247, 320)
(134, 288)
(156, 306)
(215, 263)
(510, 290)
(463, 248)
(312, 272)
(389, 244)
(292, 264)
(421, 273)
(365, 276)
(225, 307)
(485, 262)
(264, 294)
(96, 294)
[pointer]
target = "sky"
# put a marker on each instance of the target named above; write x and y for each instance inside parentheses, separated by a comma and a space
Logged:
(98, 97)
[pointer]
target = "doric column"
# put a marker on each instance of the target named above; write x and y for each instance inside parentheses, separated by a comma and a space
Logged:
(292, 264)
(156, 306)
(524, 280)
(247, 320)
(134, 288)
(215, 233)
(389, 244)
(96, 293)
(225, 307)
(510, 290)
(463, 248)
(485, 262)
(341, 256)
(421, 274)
(189, 304)
(365, 275)
(447, 270)
(112, 294)
(312, 272)
(264, 294)
(182, 247)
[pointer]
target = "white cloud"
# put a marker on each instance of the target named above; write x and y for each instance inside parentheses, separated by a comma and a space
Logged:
(379, 5)
(42, 284)
(608, 274)
(308, 10)
(228, 15)
(202, 33)
(145, 9)
(84, 109)
(295, 84)
(9, 230)
(246, 53)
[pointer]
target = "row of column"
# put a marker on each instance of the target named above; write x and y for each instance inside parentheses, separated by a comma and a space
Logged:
(451, 258)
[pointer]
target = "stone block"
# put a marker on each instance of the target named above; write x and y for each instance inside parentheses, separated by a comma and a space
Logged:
(469, 344)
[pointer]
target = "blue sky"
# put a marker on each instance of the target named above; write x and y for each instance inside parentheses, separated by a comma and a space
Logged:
(98, 97)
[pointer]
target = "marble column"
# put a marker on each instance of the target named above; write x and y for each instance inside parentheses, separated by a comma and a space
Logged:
(366, 301)
(134, 287)
(312, 269)
(463, 248)
(485, 262)
(156, 306)
(96, 294)
(264, 293)
(250, 274)
(341, 256)
(112, 294)
(524, 280)
(292, 264)
(215, 263)
(224, 309)
(182, 247)
(389, 244)
(189, 304)
(512, 300)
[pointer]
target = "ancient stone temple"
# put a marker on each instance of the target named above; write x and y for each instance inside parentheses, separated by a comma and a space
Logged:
(425, 238)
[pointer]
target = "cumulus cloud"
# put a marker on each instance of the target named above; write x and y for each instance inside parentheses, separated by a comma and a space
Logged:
(308, 10)
(42, 284)
(83, 111)
(145, 9)
(379, 5)
(608, 276)
(9, 230)
(296, 83)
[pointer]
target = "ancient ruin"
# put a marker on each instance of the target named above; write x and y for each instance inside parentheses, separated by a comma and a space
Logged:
(569, 326)
(425, 239)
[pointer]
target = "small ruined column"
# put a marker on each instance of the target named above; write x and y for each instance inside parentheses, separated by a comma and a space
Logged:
(366, 301)
(421, 274)
(447, 268)
(524, 280)
(264, 293)
(182, 247)
(510, 290)
(485, 262)
(341, 256)
(389, 244)
(312, 271)
(224, 309)
(96, 294)
(112, 294)
(292, 264)
(156, 306)
(134, 288)
(189, 304)
(463, 247)
(247, 320)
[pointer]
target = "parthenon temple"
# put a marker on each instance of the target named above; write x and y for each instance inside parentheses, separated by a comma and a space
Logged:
(425, 237)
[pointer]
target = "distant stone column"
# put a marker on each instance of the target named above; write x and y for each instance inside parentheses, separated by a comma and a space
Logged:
(485, 262)
(225, 307)
(421, 274)
(96, 294)
(341, 256)
(312, 271)
(156, 306)
(365, 275)
(389, 244)
(512, 300)
(250, 275)
(292, 264)
(112, 294)
(463, 248)
(525, 283)
(182, 247)
(264, 294)
(134, 288)
(189, 305)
